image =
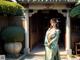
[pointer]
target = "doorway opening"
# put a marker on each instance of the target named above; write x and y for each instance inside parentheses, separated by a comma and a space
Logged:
(39, 23)
(75, 34)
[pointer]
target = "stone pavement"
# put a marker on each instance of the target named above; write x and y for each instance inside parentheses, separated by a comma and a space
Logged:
(37, 58)
(39, 54)
(32, 57)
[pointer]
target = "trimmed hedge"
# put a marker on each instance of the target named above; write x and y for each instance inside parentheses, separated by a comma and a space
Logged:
(13, 34)
(3, 0)
(10, 9)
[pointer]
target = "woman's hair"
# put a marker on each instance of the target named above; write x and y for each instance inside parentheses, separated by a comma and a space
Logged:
(55, 20)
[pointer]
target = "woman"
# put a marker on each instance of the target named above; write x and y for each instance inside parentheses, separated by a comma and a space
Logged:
(51, 41)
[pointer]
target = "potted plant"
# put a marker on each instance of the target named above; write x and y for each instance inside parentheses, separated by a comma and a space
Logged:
(13, 37)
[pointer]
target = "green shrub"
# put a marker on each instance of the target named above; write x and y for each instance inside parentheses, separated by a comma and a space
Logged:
(75, 11)
(11, 8)
(13, 34)
(3, 0)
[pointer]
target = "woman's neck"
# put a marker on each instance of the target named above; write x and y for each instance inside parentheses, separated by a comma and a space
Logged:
(52, 27)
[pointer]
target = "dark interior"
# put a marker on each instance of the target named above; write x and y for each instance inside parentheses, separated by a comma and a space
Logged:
(39, 23)
(75, 33)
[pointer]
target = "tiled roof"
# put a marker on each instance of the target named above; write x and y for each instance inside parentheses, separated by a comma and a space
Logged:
(45, 1)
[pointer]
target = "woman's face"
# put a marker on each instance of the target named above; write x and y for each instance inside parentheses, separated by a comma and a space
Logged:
(53, 23)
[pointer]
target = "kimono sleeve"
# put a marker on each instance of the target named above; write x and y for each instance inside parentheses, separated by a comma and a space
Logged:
(56, 36)
(45, 40)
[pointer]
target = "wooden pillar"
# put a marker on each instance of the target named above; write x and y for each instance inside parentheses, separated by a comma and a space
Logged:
(26, 27)
(68, 41)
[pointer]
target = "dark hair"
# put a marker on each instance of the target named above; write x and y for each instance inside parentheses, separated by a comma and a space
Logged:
(55, 20)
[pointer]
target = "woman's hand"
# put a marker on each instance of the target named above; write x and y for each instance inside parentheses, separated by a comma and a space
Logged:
(48, 44)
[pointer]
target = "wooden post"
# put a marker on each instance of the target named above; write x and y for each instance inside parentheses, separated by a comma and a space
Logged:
(26, 27)
(68, 41)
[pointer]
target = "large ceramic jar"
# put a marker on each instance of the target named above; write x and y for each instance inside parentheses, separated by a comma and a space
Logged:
(13, 48)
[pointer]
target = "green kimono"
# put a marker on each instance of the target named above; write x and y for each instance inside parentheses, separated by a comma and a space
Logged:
(52, 50)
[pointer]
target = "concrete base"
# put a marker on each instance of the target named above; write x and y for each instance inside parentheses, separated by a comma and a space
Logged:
(26, 51)
(69, 51)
